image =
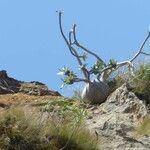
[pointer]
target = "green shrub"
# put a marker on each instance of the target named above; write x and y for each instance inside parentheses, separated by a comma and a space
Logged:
(116, 82)
(144, 127)
(141, 82)
(65, 108)
(68, 122)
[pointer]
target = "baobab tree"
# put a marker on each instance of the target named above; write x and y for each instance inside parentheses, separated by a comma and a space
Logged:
(95, 90)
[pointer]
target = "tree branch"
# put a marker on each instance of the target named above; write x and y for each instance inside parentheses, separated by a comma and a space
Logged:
(105, 73)
(141, 48)
(145, 53)
(72, 50)
(70, 38)
(63, 35)
(85, 49)
(109, 69)
(83, 69)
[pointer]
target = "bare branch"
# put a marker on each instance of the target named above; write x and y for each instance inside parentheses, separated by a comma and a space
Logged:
(141, 48)
(145, 53)
(105, 73)
(70, 38)
(85, 49)
(72, 43)
(63, 35)
(72, 50)
(109, 69)
(83, 69)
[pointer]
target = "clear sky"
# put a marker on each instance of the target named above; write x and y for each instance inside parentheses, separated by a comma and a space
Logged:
(31, 47)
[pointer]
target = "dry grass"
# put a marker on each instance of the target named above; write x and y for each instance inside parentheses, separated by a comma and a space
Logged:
(28, 128)
(19, 98)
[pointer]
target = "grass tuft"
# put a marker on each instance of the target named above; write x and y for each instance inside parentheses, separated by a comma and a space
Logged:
(144, 127)
(58, 125)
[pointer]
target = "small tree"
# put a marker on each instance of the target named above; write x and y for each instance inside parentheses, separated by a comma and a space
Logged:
(97, 90)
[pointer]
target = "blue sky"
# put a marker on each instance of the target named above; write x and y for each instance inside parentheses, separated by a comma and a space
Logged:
(31, 47)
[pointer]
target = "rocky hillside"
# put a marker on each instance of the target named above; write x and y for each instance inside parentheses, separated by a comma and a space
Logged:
(113, 124)
(116, 120)
(9, 85)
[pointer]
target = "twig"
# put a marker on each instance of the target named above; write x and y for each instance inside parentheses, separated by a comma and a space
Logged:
(141, 48)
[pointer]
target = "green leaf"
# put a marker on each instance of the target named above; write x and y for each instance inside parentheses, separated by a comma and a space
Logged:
(96, 69)
(69, 78)
(84, 56)
(82, 66)
(112, 63)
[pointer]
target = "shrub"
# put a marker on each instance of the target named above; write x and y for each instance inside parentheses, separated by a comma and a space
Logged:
(116, 82)
(68, 125)
(30, 129)
(144, 127)
(141, 82)
(19, 131)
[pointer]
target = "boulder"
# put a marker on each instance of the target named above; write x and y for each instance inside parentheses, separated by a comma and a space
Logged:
(114, 121)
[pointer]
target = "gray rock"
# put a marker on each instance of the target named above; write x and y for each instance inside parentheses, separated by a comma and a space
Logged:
(9, 85)
(116, 121)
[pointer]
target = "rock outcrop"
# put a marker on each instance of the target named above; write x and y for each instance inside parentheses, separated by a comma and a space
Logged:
(114, 121)
(9, 85)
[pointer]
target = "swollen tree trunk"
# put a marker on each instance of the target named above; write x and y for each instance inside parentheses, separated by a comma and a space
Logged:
(95, 92)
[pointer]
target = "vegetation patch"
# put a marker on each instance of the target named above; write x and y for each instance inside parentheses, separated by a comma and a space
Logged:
(141, 82)
(144, 127)
(58, 125)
